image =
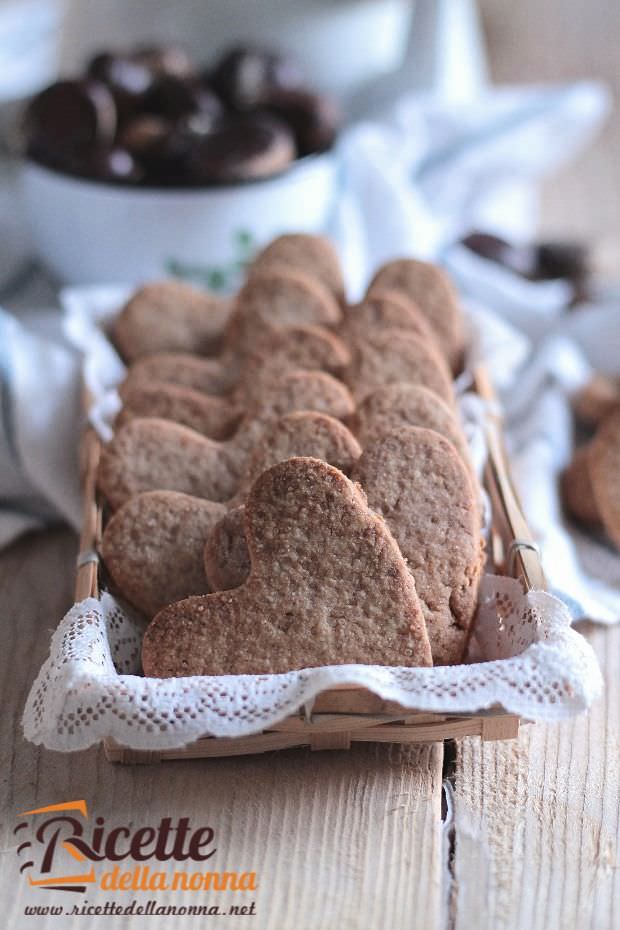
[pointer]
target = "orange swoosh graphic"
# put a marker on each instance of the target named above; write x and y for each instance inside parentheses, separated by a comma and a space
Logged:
(67, 879)
(68, 845)
(80, 806)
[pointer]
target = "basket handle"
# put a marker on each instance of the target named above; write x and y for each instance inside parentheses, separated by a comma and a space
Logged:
(86, 582)
(523, 555)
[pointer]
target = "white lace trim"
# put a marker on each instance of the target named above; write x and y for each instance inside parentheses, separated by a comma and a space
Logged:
(525, 658)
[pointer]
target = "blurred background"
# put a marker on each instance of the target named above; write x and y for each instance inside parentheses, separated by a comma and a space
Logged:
(364, 54)
(564, 40)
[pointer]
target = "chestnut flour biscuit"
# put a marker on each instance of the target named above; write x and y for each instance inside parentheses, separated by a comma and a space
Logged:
(312, 348)
(182, 368)
(302, 433)
(313, 255)
(148, 454)
(169, 316)
(215, 417)
(604, 468)
(327, 586)
(577, 490)
(414, 478)
(404, 404)
(596, 399)
(309, 434)
(277, 299)
(395, 355)
(153, 548)
(431, 289)
(385, 310)
(226, 555)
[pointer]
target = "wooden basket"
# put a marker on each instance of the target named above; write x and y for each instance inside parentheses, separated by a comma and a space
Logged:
(342, 715)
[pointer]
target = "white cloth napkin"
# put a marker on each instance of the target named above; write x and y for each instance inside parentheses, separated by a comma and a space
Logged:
(40, 424)
(430, 172)
(581, 568)
(411, 184)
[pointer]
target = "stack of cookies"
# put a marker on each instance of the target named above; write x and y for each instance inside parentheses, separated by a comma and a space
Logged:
(288, 484)
(591, 483)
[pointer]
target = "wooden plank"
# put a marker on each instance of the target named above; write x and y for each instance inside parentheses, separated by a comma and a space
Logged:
(537, 820)
(347, 839)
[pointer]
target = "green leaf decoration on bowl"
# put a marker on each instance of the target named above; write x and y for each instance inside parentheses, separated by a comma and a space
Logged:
(221, 278)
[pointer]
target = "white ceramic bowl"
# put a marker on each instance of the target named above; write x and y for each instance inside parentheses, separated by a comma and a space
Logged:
(86, 231)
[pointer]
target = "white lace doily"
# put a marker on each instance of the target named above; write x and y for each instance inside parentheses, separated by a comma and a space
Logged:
(526, 658)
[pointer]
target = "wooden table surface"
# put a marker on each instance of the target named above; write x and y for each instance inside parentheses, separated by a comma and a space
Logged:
(521, 834)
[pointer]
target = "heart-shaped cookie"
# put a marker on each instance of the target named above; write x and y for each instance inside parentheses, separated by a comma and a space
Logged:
(148, 454)
(215, 417)
(405, 404)
(396, 355)
(327, 586)
(385, 310)
(181, 368)
(313, 255)
(169, 316)
(153, 546)
(596, 399)
(274, 300)
(308, 348)
(415, 479)
(141, 540)
(604, 469)
(577, 490)
(226, 555)
(304, 434)
(430, 288)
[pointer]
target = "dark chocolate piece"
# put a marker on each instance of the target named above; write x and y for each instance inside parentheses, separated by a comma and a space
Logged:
(242, 148)
(562, 260)
(128, 79)
(68, 120)
(174, 97)
(314, 119)
(245, 76)
(542, 261)
(519, 258)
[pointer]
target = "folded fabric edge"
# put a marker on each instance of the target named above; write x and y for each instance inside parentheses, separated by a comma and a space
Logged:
(575, 667)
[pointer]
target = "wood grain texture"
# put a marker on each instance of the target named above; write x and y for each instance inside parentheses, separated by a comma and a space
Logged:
(537, 820)
(339, 839)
